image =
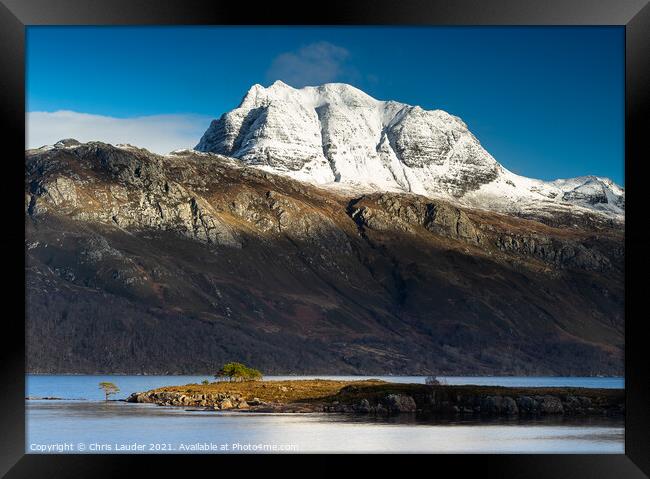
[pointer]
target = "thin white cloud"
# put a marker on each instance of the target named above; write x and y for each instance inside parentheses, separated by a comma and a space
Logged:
(313, 64)
(157, 133)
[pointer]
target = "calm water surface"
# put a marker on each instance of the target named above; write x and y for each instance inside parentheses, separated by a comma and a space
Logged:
(82, 422)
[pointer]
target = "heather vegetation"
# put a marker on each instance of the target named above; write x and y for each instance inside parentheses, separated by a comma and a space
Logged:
(374, 396)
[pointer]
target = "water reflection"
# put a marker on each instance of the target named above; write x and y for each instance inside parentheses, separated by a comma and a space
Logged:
(114, 423)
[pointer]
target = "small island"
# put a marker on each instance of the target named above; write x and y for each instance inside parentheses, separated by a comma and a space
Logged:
(379, 397)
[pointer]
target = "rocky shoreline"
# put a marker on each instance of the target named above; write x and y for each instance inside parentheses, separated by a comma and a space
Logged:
(379, 398)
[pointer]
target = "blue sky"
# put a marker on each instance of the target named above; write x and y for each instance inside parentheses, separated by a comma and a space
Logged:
(546, 102)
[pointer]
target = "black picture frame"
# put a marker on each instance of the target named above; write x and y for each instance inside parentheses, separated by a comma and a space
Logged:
(634, 15)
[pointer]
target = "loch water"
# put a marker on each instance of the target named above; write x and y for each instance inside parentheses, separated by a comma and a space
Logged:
(81, 422)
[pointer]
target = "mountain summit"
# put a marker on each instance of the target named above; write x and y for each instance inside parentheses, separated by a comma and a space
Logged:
(337, 135)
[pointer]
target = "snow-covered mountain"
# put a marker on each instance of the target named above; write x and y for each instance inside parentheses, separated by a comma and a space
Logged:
(338, 136)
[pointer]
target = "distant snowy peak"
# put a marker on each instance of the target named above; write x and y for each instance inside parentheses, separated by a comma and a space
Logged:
(337, 134)
(591, 190)
(519, 195)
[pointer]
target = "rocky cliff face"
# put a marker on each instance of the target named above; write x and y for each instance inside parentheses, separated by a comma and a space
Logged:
(336, 135)
(175, 264)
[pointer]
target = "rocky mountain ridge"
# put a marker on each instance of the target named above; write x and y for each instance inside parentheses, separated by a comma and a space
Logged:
(134, 259)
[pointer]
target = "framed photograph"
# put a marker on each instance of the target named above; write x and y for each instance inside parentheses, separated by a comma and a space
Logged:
(378, 228)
